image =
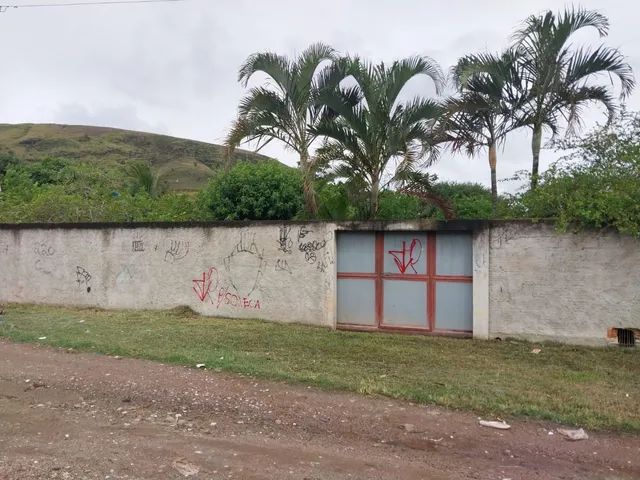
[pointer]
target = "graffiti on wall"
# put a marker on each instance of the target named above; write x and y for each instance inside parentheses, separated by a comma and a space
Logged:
(407, 256)
(125, 276)
(43, 249)
(284, 241)
(245, 265)
(282, 265)
(83, 278)
(309, 247)
(229, 298)
(176, 250)
(44, 253)
(204, 285)
(137, 243)
(324, 262)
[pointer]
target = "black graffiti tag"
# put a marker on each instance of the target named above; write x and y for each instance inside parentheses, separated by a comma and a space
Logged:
(310, 248)
(83, 277)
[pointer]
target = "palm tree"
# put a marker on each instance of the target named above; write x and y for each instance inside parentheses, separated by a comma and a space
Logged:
(284, 108)
(485, 110)
(144, 179)
(366, 125)
(557, 77)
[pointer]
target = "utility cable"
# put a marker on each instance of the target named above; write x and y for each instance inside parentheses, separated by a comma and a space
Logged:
(4, 8)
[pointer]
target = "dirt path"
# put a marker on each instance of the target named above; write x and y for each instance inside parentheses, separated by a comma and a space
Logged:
(83, 416)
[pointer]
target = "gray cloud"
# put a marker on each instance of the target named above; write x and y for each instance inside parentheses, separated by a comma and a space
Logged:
(123, 116)
(172, 68)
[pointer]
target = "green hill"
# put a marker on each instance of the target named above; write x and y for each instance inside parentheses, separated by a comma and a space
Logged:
(183, 165)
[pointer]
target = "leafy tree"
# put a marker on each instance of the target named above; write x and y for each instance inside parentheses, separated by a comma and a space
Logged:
(483, 113)
(284, 108)
(254, 191)
(368, 127)
(421, 186)
(557, 76)
(468, 200)
(335, 202)
(596, 186)
(399, 206)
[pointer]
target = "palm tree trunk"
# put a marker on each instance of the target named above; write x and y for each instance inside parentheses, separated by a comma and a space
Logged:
(493, 160)
(536, 144)
(374, 198)
(308, 190)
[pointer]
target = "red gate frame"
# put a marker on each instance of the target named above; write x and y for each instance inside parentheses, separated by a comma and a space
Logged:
(429, 279)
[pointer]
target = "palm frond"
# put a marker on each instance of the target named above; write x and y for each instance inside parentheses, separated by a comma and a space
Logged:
(309, 61)
(576, 98)
(401, 71)
(278, 67)
(586, 62)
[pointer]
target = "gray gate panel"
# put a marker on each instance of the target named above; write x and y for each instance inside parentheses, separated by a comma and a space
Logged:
(356, 252)
(454, 254)
(356, 301)
(454, 306)
(405, 303)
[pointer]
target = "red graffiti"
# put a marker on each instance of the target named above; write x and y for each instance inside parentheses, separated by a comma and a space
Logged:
(203, 286)
(405, 258)
(226, 297)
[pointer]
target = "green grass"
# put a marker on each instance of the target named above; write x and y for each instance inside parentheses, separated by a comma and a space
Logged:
(589, 387)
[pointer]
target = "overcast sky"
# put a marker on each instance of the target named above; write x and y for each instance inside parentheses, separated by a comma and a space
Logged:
(172, 68)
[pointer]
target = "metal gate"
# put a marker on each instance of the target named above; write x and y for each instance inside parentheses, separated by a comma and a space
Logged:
(409, 281)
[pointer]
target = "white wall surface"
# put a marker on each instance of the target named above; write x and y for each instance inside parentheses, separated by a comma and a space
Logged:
(272, 272)
(565, 287)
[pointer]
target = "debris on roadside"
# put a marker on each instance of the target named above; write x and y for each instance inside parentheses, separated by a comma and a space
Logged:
(573, 435)
(200, 365)
(500, 425)
(408, 427)
(185, 469)
(35, 385)
(536, 351)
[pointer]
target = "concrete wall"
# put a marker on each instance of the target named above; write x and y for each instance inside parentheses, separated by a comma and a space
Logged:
(273, 272)
(528, 281)
(565, 287)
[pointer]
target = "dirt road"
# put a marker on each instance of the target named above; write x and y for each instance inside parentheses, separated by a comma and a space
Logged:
(81, 416)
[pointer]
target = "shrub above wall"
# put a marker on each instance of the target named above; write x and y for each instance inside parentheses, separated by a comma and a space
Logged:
(260, 191)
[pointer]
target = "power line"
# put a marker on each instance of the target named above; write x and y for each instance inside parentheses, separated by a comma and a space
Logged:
(4, 8)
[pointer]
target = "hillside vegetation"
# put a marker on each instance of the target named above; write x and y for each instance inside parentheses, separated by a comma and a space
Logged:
(181, 164)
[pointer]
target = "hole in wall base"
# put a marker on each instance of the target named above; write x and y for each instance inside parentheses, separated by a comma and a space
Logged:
(623, 337)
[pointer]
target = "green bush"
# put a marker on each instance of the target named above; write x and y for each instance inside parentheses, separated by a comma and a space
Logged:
(253, 191)
(55, 191)
(597, 186)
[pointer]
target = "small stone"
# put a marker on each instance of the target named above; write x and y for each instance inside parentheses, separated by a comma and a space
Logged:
(185, 469)
(573, 435)
(200, 365)
(408, 427)
(495, 424)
